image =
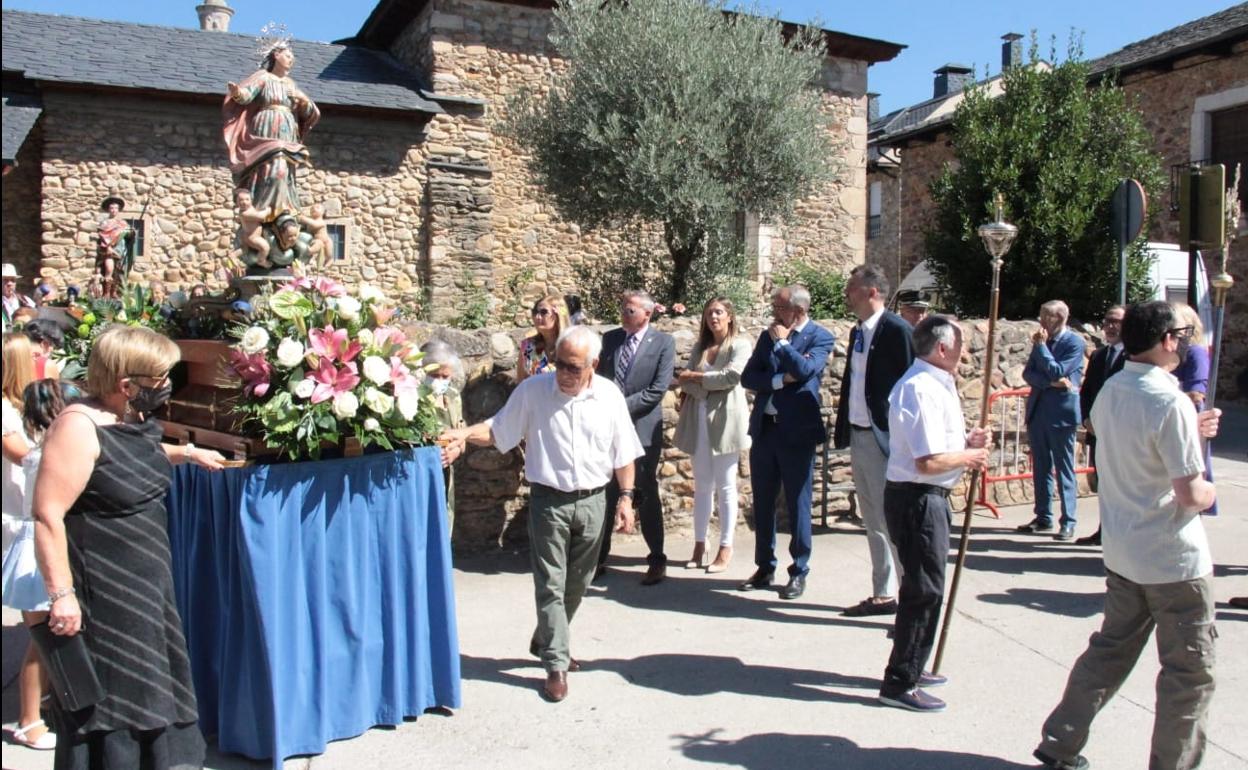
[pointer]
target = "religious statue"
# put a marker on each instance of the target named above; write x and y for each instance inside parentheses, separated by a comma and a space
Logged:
(322, 247)
(266, 119)
(113, 244)
(251, 235)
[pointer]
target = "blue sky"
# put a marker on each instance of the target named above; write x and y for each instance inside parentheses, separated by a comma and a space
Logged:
(935, 31)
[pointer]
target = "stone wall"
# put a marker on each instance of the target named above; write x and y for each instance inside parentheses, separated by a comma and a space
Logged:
(884, 249)
(491, 51)
(21, 211)
(369, 174)
(491, 496)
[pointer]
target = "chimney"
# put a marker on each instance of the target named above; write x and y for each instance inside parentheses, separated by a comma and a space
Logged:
(951, 79)
(1011, 50)
(873, 107)
(214, 15)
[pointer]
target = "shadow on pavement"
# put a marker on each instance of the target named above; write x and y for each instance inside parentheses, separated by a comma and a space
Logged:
(992, 554)
(1067, 603)
(770, 750)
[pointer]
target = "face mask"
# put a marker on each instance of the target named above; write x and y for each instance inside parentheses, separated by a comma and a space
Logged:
(1181, 351)
(148, 400)
(439, 386)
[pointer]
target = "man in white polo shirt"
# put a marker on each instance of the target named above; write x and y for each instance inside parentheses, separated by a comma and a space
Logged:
(928, 450)
(577, 433)
(1157, 557)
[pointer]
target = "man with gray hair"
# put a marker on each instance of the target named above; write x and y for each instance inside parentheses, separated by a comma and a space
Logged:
(578, 436)
(786, 424)
(929, 449)
(1054, 371)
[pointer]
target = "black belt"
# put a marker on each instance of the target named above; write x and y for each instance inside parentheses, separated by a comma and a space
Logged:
(859, 427)
(576, 494)
(921, 489)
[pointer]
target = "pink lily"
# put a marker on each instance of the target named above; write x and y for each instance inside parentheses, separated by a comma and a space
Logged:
(328, 287)
(388, 335)
(254, 370)
(333, 344)
(331, 380)
(401, 377)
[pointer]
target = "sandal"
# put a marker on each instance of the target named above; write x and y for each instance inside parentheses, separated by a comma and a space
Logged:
(45, 742)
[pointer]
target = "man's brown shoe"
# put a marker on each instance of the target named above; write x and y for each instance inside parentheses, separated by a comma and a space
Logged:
(556, 687)
(655, 574)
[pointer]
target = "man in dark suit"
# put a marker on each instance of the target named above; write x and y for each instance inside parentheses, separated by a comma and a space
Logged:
(879, 354)
(1104, 364)
(786, 426)
(640, 359)
(1054, 371)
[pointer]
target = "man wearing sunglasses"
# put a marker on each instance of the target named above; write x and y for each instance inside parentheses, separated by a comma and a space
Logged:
(1104, 364)
(1157, 558)
(578, 436)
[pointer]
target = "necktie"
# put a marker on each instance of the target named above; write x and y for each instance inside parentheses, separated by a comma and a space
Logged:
(626, 359)
(1109, 360)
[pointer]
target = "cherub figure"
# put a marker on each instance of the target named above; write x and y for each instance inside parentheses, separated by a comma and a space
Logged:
(322, 249)
(251, 227)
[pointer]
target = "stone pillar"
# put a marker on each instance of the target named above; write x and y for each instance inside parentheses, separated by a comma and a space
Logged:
(459, 198)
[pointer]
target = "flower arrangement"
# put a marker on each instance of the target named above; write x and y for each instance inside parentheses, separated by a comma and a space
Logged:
(136, 307)
(319, 365)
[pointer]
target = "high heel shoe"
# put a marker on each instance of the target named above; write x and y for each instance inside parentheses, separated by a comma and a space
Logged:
(721, 560)
(699, 553)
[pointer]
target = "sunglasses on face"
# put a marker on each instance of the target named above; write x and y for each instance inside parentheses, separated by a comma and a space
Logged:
(568, 368)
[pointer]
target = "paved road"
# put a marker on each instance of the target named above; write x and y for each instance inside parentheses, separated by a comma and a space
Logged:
(692, 672)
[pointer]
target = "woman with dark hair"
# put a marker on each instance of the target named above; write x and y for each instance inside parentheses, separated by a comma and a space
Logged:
(537, 351)
(48, 338)
(714, 425)
(102, 546)
(267, 118)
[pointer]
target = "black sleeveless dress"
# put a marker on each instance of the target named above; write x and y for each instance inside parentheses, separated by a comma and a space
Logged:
(119, 556)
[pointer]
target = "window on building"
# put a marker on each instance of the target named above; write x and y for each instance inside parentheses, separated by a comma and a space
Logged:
(1228, 139)
(874, 203)
(338, 237)
(140, 238)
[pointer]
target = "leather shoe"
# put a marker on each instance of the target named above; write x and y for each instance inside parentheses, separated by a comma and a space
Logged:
(655, 574)
(1092, 539)
(1066, 533)
(795, 588)
(759, 579)
(1036, 525)
(870, 607)
(556, 687)
(1080, 762)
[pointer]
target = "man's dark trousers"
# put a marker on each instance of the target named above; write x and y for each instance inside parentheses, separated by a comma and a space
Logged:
(918, 523)
(645, 502)
(775, 463)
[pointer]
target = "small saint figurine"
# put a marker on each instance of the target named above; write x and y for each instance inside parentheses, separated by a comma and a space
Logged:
(112, 246)
(251, 236)
(322, 249)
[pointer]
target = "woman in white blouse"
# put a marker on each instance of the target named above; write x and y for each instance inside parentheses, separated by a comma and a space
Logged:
(714, 425)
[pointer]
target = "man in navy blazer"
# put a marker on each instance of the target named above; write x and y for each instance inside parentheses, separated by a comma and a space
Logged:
(879, 353)
(1054, 371)
(640, 359)
(786, 425)
(1104, 364)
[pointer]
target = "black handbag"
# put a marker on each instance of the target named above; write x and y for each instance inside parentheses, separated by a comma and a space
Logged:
(69, 668)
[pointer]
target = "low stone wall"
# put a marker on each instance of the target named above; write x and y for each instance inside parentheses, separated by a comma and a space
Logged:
(492, 497)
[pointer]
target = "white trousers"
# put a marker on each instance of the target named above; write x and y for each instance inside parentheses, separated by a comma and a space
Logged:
(713, 475)
(869, 465)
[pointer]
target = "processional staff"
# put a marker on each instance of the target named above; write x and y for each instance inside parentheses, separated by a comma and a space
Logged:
(997, 236)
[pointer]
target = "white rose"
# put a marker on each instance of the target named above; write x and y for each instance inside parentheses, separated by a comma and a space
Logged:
(304, 388)
(289, 353)
(378, 402)
(346, 405)
(348, 308)
(409, 403)
(377, 370)
(370, 293)
(371, 424)
(254, 340)
(365, 338)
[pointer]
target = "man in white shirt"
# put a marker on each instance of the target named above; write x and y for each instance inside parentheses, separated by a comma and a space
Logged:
(929, 448)
(1157, 557)
(578, 434)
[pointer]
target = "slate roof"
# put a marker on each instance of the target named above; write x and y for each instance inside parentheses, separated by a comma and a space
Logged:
(20, 114)
(73, 50)
(1223, 25)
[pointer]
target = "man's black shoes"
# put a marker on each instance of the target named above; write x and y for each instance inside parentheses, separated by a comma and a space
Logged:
(795, 588)
(1080, 762)
(1036, 525)
(760, 579)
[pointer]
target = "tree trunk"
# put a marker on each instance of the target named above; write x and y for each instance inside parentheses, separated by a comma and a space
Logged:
(685, 243)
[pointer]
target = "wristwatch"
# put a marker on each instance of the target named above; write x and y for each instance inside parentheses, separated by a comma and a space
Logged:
(627, 493)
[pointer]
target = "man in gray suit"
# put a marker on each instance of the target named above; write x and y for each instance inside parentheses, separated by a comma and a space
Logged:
(640, 359)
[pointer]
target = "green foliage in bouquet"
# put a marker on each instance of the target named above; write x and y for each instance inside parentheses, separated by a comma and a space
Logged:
(136, 307)
(319, 366)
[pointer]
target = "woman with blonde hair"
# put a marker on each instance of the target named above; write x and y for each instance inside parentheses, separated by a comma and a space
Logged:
(537, 350)
(1193, 372)
(103, 549)
(19, 372)
(714, 425)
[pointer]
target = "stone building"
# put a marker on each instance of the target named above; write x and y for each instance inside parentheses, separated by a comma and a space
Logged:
(1191, 85)
(422, 193)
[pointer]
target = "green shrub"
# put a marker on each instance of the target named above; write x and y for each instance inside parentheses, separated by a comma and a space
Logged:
(827, 289)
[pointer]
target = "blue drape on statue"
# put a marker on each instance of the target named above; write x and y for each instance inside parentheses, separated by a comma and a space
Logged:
(316, 598)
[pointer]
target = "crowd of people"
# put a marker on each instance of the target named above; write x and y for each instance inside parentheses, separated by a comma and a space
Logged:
(85, 545)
